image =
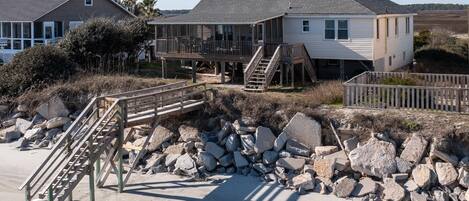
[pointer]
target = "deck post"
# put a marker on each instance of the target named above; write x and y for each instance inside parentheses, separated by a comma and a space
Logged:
(27, 192)
(303, 73)
(120, 141)
(217, 68)
(163, 68)
(292, 66)
(222, 73)
(91, 182)
(342, 69)
(194, 71)
(282, 68)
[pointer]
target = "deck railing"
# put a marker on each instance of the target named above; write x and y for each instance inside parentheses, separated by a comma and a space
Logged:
(206, 47)
(435, 92)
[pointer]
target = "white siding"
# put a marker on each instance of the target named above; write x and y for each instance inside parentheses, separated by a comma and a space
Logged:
(394, 46)
(358, 47)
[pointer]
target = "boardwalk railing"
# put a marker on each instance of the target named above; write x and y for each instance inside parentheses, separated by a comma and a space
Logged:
(434, 92)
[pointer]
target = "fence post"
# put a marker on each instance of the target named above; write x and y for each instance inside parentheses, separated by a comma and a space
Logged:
(458, 100)
(398, 99)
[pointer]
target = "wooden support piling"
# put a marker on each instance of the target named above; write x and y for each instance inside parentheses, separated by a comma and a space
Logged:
(222, 73)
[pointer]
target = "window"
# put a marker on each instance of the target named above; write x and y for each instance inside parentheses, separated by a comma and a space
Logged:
(17, 44)
(330, 29)
(6, 30)
(26, 30)
(305, 26)
(26, 44)
(396, 26)
(59, 31)
(8, 46)
(377, 29)
(38, 30)
(88, 2)
(74, 24)
(390, 61)
(387, 27)
(16, 30)
(407, 25)
(342, 33)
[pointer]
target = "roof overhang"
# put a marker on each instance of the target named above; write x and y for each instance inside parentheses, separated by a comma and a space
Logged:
(250, 22)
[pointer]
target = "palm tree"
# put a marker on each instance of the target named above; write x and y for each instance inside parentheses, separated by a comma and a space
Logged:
(129, 4)
(147, 8)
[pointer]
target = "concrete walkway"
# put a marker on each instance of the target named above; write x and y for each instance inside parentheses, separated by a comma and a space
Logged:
(15, 166)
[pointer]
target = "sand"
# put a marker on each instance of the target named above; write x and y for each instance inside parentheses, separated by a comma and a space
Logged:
(16, 166)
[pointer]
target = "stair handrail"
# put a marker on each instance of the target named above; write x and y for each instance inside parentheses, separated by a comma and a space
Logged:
(105, 118)
(59, 145)
(272, 66)
(309, 65)
(251, 67)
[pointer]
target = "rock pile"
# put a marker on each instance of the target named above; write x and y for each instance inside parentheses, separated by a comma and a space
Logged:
(42, 130)
(297, 159)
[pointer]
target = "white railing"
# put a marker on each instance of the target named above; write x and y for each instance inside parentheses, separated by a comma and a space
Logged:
(253, 64)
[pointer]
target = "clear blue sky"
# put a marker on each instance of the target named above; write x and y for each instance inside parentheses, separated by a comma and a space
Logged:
(189, 4)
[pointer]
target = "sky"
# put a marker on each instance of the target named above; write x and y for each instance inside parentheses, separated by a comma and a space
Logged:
(189, 4)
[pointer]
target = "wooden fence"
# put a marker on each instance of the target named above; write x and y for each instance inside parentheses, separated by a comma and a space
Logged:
(434, 92)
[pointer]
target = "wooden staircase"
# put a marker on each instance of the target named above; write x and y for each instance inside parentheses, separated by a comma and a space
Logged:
(257, 80)
(98, 135)
(261, 69)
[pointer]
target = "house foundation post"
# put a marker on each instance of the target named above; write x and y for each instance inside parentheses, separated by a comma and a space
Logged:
(163, 68)
(342, 69)
(292, 66)
(303, 74)
(282, 67)
(222, 73)
(194, 71)
(217, 68)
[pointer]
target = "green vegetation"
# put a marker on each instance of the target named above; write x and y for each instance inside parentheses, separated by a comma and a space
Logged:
(35, 67)
(436, 6)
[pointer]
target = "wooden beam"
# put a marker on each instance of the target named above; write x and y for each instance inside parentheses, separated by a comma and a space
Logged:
(222, 74)
(303, 73)
(163, 68)
(194, 71)
(292, 66)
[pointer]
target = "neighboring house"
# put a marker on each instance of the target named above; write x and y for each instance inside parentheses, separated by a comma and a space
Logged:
(341, 38)
(25, 23)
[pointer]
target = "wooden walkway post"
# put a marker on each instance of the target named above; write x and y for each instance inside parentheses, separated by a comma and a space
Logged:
(222, 73)
(163, 68)
(119, 142)
(194, 72)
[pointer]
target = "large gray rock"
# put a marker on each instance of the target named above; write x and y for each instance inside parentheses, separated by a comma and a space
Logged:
(351, 144)
(463, 177)
(324, 167)
(22, 108)
(9, 134)
(344, 187)
(261, 168)
(57, 122)
(22, 125)
(269, 157)
(214, 149)
(232, 143)
(160, 135)
(175, 149)
(297, 148)
(414, 149)
(155, 160)
(403, 166)
(224, 131)
(248, 142)
(54, 108)
(364, 187)
(440, 195)
(393, 191)
(188, 133)
(446, 173)
(291, 163)
(325, 150)
(208, 161)
(414, 196)
(280, 141)
(239, 159)
(264, 140)
(31, 134)
(376, 158)
(341, 160)
(434, 153)
(304, 181)
(186, 164)
(304, 130)
(226, 160)
(467, 195)
(171, 159)
(411, 186)
(51, 134)
(423, 176)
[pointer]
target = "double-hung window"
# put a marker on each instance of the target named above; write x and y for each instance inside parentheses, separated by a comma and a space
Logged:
(342, 32)
(305, 26)
(396, 26)
(330, 30)
(336, 30)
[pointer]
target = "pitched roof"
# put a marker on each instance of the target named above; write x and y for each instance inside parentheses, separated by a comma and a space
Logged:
(31, 10)
(251, 11)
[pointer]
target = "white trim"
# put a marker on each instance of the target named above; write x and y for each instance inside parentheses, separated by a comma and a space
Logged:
(331, 16)
(88, 4)
(213, 23)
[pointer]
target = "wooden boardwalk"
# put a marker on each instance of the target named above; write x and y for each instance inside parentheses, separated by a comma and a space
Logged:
(97, 135)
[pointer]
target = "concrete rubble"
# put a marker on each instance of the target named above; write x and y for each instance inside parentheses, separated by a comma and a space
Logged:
(297, 157)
